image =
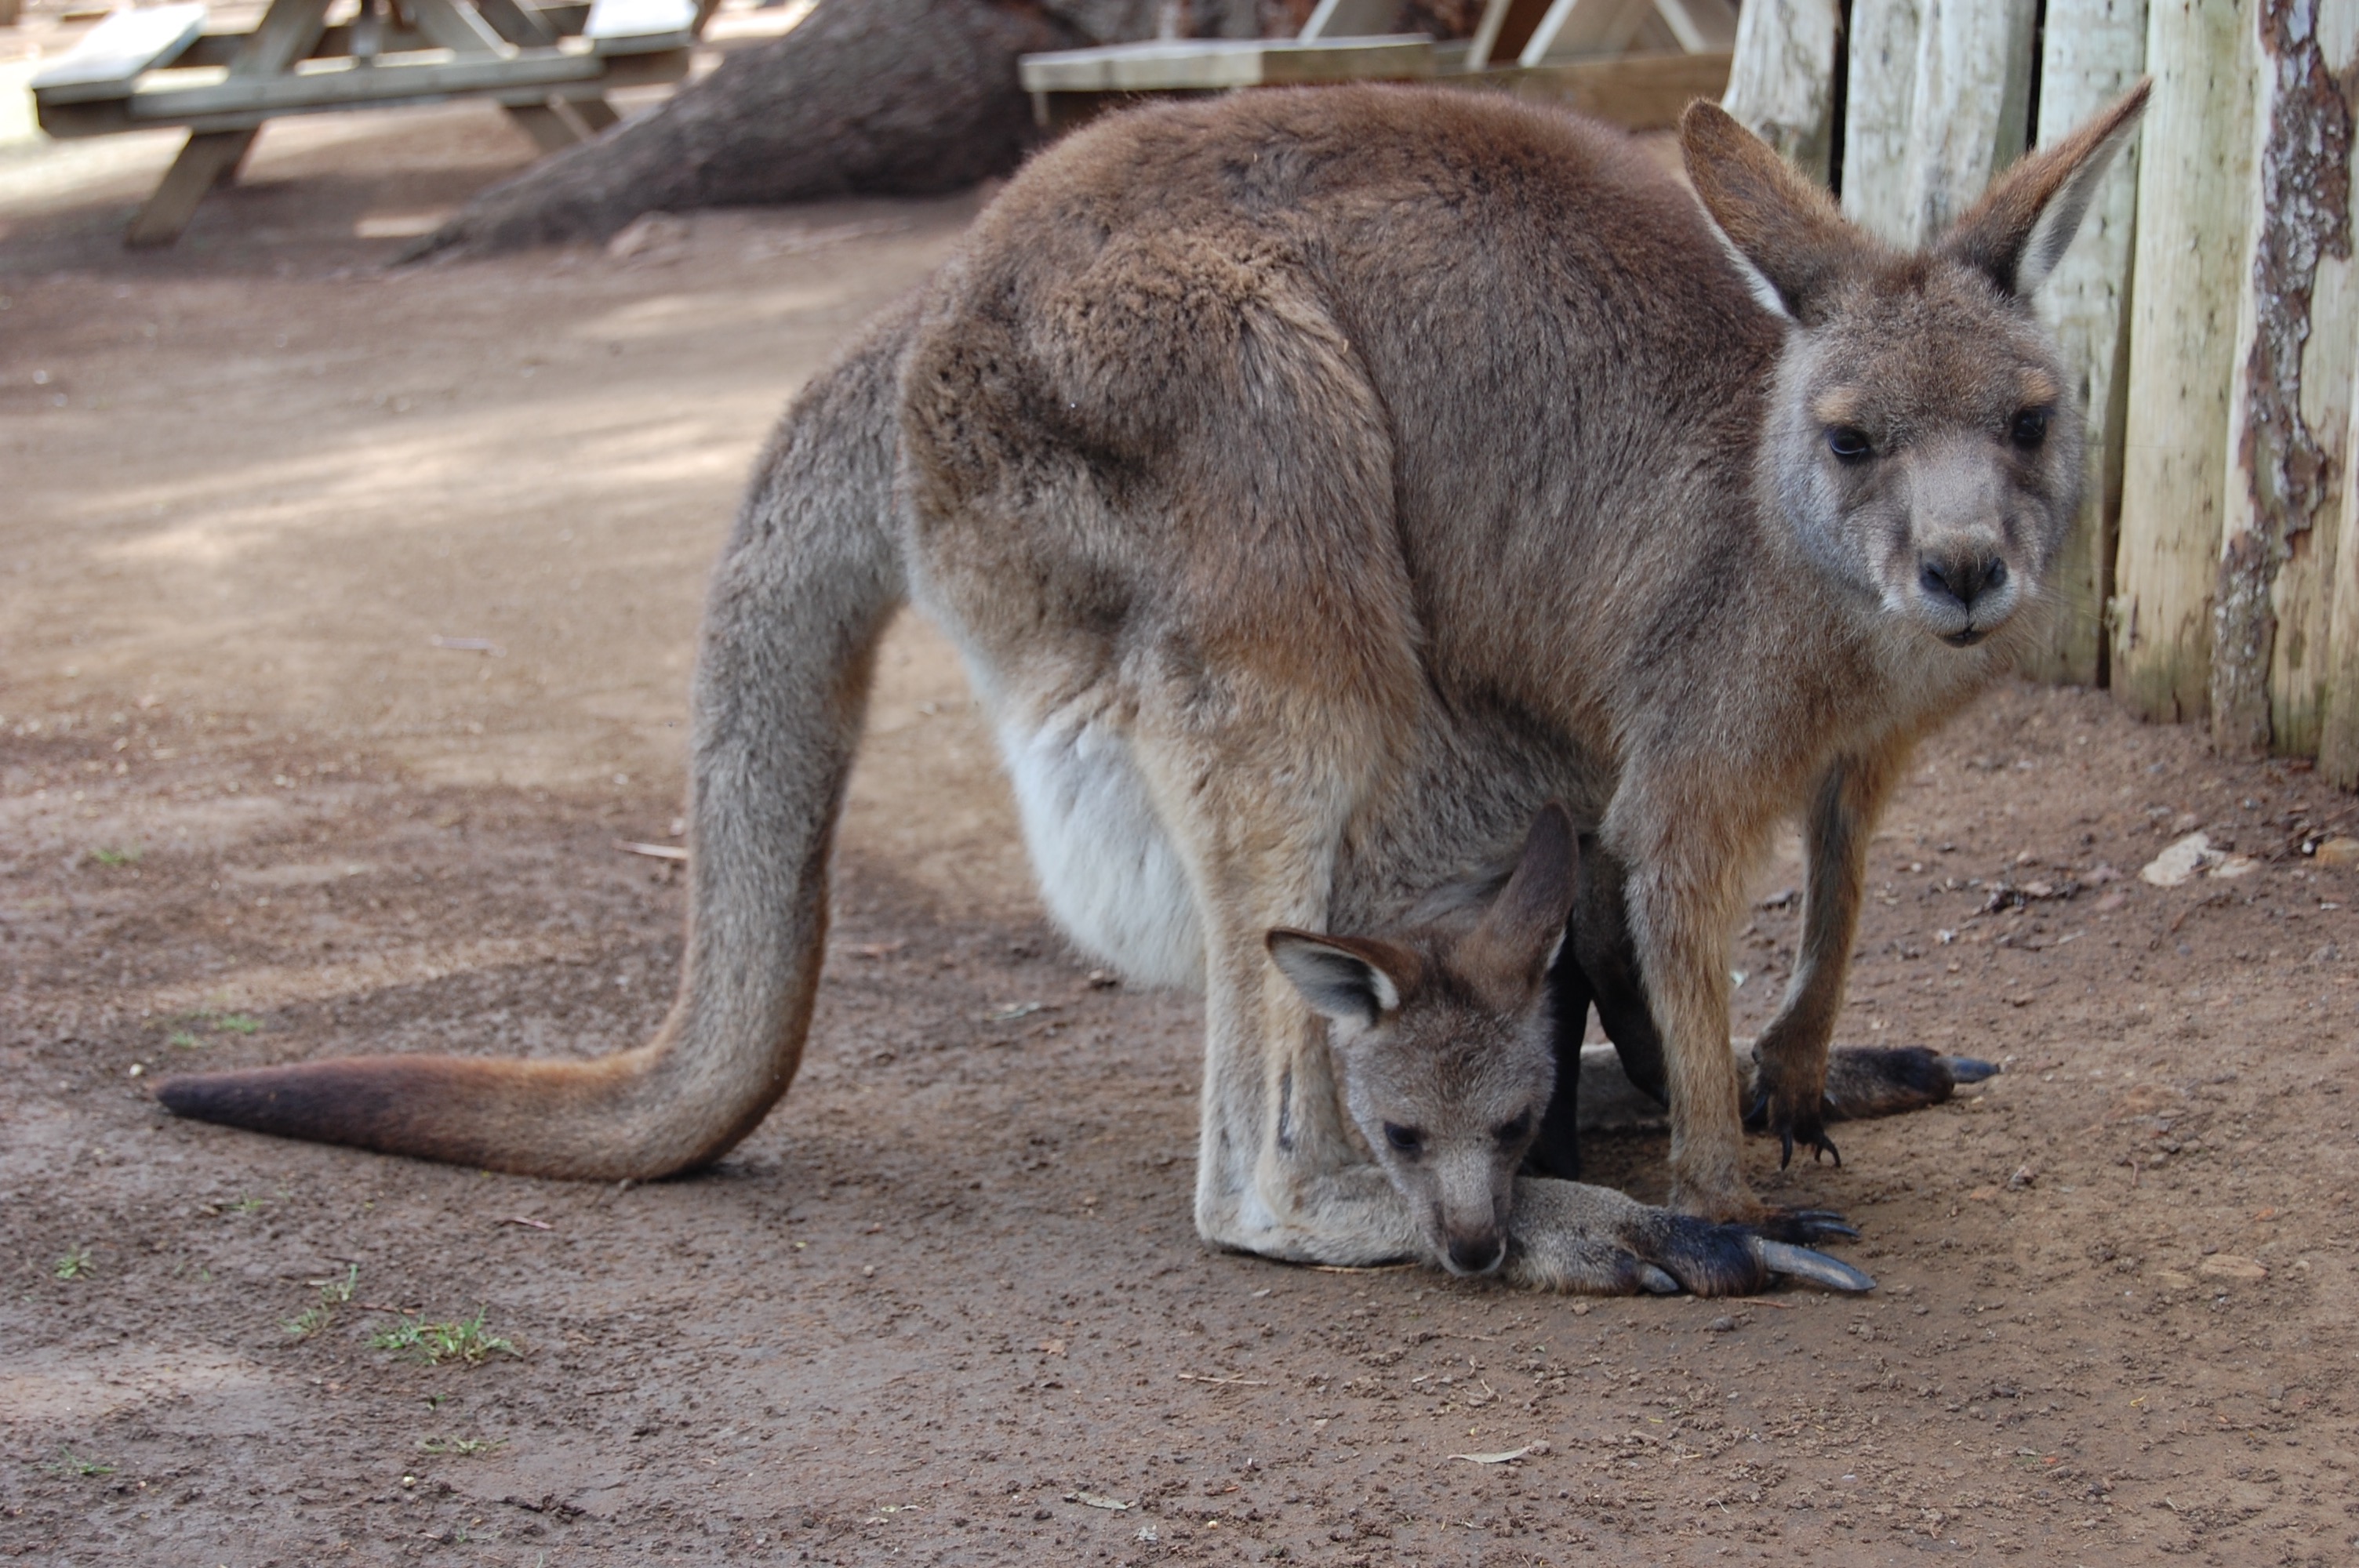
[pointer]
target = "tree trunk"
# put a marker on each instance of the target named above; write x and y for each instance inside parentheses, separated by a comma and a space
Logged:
(875, 97)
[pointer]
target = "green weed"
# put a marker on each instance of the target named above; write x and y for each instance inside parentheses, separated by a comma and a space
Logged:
(125, 857)
(184, 1029)
(464, 1340)
(465, 1447)
(71, 1463)
(333, 1293)
(74, 1265)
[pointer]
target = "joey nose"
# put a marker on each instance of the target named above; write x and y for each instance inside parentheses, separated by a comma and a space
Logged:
(1477, 1254)
(1961, 579)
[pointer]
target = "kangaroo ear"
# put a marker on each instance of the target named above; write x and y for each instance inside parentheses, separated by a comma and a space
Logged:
(1786, 235)
(1351, 980)
(1517, 938)
(2017, 232)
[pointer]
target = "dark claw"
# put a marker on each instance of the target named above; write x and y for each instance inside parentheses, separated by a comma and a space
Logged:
(1756, 1115)
(1801, 1263)
(1784, 1147)
(1970, 1069)
(1807, 1225)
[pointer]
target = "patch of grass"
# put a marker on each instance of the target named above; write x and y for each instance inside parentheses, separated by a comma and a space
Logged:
(186, 1027)
(246, 1204)
(127, 856)
(72, 1464)
(464, 1339)
(465, 1447)
(74, 1265)
(333, 1293)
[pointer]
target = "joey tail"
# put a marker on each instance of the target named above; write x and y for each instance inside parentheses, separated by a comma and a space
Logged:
(810, 576)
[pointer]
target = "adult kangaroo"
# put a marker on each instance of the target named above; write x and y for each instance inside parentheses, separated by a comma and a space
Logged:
(1317, 483)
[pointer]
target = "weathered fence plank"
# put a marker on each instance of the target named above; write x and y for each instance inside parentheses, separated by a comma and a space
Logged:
(1781, 84)
(1970, 106)
(2193, 201)
(2093, 51)
(2338, 730)
(2289, 409)
(1882, 86)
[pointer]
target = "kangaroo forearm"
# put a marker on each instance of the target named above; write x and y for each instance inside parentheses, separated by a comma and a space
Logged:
(1843, 813)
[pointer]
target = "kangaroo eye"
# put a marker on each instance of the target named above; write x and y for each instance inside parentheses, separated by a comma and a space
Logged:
(1407, 1140)
(2028, 428)
(1514, 1132)
(1849, 445)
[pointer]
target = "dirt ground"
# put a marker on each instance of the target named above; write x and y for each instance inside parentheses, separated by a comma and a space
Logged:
(345, 617)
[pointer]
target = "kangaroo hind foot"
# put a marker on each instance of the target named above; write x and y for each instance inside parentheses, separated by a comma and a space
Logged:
(1569, 1237)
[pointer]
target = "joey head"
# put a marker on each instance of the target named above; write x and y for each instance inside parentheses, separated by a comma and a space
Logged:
(1441, 1033)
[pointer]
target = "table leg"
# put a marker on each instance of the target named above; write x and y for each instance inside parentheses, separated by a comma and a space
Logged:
(230, 169)
(206, 156)
(547, 127)
(594, 113)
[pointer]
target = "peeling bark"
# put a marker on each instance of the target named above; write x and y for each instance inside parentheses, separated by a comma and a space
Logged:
(2303, 215)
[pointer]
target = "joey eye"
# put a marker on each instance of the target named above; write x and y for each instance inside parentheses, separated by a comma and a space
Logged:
(1849, 444)
(1514, 1132)
(1407, 1140)
(2028, 428)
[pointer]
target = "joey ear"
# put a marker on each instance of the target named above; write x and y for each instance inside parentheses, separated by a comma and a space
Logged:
(1785, 234)
(1352, 980)
(1518, 936)
(2017, 232)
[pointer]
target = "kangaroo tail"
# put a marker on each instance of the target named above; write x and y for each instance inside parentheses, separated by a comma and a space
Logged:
(810, 578)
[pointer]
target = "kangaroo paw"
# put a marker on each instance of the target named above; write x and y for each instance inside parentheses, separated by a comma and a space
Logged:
(1792, 1125)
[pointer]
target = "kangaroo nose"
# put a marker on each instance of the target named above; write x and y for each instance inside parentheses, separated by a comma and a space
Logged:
(1476, 1254)
(1961, 579)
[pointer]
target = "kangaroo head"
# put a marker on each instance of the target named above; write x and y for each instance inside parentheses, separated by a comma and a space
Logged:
(1441, 1035)
(1921, 439)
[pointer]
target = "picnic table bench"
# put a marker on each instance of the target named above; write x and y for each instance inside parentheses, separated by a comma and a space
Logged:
(550, 65)
(1636, 61)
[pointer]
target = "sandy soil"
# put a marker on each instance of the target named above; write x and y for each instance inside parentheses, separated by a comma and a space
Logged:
(947, 1304)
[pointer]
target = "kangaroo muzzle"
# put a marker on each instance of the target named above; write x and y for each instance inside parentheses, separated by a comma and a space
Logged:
(1472, 1254)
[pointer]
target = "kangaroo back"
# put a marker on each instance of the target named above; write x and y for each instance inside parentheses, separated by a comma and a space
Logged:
(805, 586)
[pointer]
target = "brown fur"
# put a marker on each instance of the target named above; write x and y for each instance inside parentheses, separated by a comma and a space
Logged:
(1317, 483)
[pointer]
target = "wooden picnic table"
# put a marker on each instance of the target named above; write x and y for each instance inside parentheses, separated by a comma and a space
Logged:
(550, 65)
(1637, 63)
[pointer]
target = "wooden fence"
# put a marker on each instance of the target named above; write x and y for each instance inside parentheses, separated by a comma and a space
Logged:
(2209, 310)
